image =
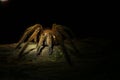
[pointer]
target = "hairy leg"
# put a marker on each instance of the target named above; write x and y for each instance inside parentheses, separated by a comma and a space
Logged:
(27, 43)
(40, 44)
(20, 54)
(22, 39)
(49, 42)
(34, 35)
(29, 30)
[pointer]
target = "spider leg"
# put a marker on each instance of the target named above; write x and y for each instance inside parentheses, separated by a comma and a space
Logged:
(41, 45)
(33, 36)
(61, 36)
(66, 55)
(64, 31)
(27, 32)
(76, 51)
(28, 51)
(22, 39)
(20, 54)
(49, 42)
(39, 50)
(67, 34)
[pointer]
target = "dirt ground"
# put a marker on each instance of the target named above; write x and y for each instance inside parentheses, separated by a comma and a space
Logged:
(91, 63)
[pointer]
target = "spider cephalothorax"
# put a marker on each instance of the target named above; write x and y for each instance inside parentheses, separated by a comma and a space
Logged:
(46, 37)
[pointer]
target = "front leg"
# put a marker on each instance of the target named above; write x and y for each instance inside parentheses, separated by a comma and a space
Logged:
(49, 42)
(40, 44)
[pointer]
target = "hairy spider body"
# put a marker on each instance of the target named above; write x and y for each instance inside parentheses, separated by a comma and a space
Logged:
(46, 37)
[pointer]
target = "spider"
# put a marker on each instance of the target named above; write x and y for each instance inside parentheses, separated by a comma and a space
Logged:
(46, 37)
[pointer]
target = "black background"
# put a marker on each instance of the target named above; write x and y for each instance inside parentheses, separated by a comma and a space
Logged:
(86, 19)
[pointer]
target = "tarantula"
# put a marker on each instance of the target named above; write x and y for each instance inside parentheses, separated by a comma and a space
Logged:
(46, 37)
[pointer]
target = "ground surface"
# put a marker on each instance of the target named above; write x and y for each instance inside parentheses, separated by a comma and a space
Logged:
(91, 63)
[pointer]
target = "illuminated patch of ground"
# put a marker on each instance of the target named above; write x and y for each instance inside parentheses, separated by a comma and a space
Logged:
(88, 64)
